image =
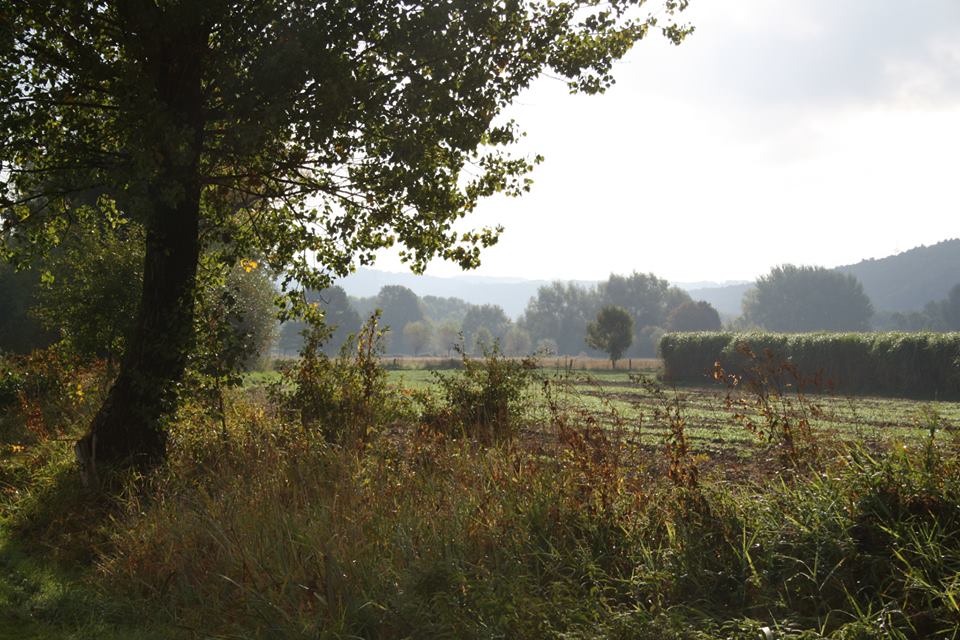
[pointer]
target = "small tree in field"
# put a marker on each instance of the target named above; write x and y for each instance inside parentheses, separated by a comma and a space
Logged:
(611, 332)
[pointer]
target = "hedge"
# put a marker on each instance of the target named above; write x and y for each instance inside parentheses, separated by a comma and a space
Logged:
(925, 365)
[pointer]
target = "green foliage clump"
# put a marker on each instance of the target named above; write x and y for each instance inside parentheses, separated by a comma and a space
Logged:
(896, 364)
(484, 399)
(611, 332)
(694, 316)
(92, 291)
(343, 398)
(798, 299)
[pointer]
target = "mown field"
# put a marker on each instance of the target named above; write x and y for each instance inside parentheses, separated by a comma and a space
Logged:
(616, 398)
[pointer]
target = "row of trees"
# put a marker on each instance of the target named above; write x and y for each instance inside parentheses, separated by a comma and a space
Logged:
(561, 312)
(414, 325)
(937, 315)
(555, 320)
(792, 299)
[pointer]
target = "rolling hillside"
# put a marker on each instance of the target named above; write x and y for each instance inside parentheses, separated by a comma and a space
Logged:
(902, 282)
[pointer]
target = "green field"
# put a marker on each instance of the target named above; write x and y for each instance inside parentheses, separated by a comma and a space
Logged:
(615, 399)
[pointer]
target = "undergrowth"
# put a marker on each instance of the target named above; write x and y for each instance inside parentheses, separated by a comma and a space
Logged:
(553, 525)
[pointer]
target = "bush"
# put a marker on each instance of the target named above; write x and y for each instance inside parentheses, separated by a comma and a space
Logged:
(897, 364)
(344, 397)
(484, 399)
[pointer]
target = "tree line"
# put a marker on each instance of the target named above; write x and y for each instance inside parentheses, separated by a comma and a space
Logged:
(555, 321)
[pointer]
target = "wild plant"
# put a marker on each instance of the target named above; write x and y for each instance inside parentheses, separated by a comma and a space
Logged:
(771, 400)
(683, 470)
(345, 397)
(484, 399)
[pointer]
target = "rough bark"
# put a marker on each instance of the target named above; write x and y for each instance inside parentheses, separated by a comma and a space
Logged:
(129, 428)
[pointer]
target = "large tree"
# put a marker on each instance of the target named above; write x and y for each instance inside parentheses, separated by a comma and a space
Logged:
(694, 316)
(489, 316)
(306, 134)
(800, 299)
(400, 306)
(560, 312)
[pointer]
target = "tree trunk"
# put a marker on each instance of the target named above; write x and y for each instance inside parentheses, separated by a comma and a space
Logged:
(129, 428)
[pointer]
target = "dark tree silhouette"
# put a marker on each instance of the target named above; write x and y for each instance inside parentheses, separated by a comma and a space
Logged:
(694, 316)
(611, 332)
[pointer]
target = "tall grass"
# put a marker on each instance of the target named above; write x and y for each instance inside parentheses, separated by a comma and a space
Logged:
(565, 530)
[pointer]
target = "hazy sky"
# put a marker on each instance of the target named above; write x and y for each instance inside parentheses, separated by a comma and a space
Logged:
(814, 132)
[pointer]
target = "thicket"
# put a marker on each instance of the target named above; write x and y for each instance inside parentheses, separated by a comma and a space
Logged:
(897, 364)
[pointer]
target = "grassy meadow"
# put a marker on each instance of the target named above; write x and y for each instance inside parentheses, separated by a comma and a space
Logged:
(498, 500)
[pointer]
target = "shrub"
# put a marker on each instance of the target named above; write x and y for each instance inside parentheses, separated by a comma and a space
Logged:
(344, 397)
(484, 399)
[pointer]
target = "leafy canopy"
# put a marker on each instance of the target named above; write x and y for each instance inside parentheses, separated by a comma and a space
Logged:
(611, 332)
(326, 130)
(799, 299)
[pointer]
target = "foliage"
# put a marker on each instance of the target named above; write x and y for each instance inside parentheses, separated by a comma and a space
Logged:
(490, 317)
(444, 310)
(611, 332)
(484, 399)
(418, 336)
(647, 298)
(517, 342)
(338, 314)
(20, 331)
(693, 316)
(483, 340)
(561, 311)
(237, 321)
(896, 364)
(344, 398)
(399, 306)
(448, 337)
(91, 293)
(801, 299)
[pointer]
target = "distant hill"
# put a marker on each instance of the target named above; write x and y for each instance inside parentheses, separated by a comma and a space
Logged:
(909, 280)
(902, 282)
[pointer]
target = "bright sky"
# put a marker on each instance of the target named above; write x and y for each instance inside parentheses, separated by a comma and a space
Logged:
(815, 132)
